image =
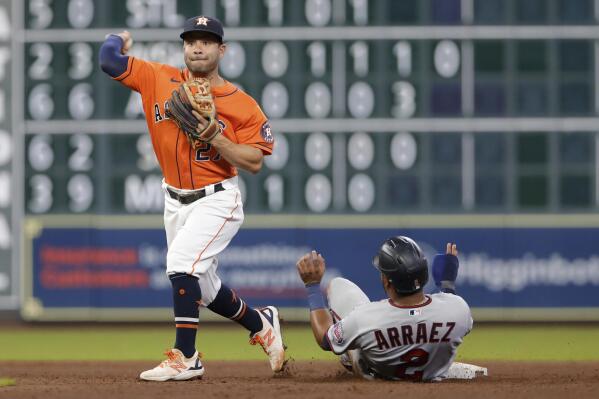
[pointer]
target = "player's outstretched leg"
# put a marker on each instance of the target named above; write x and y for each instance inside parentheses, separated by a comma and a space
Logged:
(263, 324)
(183, 362)
(344, 296)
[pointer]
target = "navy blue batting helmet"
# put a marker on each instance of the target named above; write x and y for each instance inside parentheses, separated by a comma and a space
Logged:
(404, 264)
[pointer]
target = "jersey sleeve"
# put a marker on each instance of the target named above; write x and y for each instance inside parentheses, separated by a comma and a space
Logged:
(465, 313)
(256, 131)
(139, 76)
(343, 334)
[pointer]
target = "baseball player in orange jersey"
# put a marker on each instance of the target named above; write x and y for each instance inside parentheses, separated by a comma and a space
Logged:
(203, 209)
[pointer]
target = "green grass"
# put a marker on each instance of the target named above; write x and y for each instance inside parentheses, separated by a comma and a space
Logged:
(229, 343)
(538, 343)
(543, 343)
(6, 382)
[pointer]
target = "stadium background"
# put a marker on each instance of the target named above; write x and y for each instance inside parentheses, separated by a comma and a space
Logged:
(472, 121)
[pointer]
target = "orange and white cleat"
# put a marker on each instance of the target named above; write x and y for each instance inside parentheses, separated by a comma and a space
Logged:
(270, 337)
(177, 367)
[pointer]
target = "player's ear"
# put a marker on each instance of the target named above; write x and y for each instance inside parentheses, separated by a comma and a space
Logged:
(385, 281)
(221, 50)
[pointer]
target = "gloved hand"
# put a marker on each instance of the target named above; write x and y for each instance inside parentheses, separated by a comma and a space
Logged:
(192, 108)
(445, 268)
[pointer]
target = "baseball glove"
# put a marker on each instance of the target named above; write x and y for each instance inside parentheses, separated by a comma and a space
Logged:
(194, 95)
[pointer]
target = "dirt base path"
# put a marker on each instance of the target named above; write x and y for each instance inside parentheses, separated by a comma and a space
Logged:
(305, 380)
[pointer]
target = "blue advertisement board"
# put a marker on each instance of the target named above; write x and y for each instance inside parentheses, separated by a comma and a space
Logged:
(505, 268)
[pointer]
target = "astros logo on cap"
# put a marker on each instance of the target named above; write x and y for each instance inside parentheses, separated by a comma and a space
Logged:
(202, 21)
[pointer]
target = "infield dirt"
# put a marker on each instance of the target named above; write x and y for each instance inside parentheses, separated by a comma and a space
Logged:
(316, 379)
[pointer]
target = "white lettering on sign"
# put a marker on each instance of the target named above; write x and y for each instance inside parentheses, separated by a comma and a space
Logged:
(144, 194)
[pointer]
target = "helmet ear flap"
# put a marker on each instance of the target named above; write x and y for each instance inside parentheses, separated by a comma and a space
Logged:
(375, 261)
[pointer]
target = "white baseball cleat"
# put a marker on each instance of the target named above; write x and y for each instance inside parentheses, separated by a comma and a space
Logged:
(177, 367)
(270, 337)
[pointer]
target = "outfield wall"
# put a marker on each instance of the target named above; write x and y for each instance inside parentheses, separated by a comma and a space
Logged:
(517, 267)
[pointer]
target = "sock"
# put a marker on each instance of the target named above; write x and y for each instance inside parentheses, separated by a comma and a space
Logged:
(229, 305)
(186, 297)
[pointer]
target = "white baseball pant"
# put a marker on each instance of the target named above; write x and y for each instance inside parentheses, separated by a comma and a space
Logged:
(196, 233)
(344, 296)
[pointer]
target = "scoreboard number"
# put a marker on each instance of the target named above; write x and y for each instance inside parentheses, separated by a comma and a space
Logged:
(318, 12)
(233, 63)
(360, 151)
(317, 53)
(275, 99)
(275, 12)
(81, 65)
(80, 13)
(41, 13)
(404, 96)
(83, 147)
(317, 100)
(41, 199)
(40, 102)
(403, 150)
(447, 58)
(403, 53)
(275, 59)
(81, 102)
(40, 68)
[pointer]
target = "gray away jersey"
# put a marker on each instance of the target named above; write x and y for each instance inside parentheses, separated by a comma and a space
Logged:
(394, 342)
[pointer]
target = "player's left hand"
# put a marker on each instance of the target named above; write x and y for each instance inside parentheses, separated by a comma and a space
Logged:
(311, 267)
(452, 249)
(445, 266)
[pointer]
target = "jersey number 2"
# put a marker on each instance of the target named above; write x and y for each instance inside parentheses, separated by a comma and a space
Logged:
(202, 153)
(414, 358)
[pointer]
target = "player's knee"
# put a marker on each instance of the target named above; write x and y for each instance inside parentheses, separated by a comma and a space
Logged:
(338, 283)
(185, 285)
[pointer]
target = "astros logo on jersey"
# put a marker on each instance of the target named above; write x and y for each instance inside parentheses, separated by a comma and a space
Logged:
(266, 132)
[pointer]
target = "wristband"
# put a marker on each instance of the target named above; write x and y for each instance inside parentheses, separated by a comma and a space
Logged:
(315, 298)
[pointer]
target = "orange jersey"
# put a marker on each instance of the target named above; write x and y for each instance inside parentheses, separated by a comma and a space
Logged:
(239, 115)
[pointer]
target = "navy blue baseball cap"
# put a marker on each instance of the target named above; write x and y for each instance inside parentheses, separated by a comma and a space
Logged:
(203, 24)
